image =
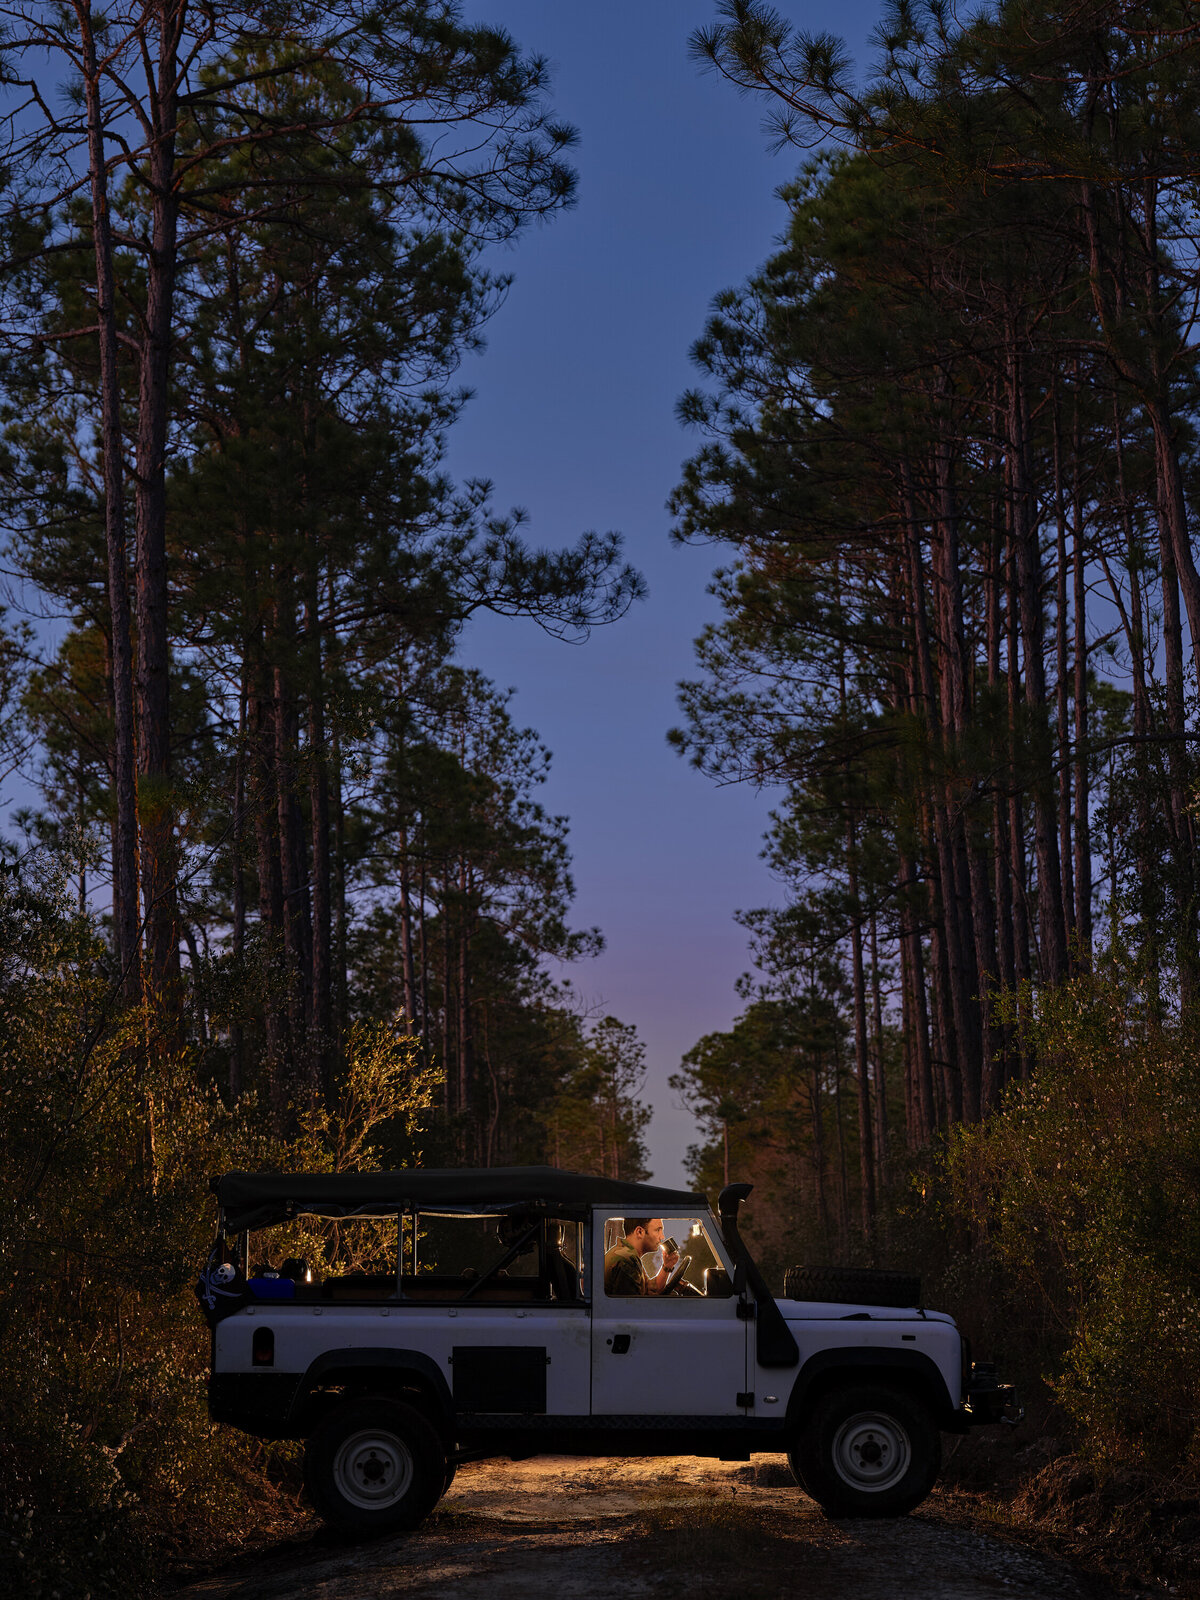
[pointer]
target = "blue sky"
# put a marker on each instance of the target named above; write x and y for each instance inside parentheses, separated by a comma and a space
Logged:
(574, 420)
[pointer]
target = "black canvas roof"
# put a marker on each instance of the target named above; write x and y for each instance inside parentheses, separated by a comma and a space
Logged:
(256, 1199)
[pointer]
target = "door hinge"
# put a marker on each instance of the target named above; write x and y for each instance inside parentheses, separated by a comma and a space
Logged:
(744, 1399)
(746, 1310)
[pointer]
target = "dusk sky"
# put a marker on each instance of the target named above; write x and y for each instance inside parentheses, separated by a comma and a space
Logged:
(574, 420)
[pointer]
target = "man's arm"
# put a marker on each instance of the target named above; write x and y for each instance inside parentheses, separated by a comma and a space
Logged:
(657, 1285)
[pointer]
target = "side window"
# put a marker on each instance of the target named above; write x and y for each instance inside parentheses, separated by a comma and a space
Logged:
(623, 1266)
(701, 1265)
(571, 1243)
(507, 1258)
(564, 1261)
(325, 1258)
(697, 1271)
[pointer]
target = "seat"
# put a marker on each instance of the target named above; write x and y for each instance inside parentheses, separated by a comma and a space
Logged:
(564, 1280)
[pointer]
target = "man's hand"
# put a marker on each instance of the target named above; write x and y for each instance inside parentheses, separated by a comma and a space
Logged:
(670, 1262)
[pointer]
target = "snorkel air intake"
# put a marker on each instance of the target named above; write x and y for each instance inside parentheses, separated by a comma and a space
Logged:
(774, 1344)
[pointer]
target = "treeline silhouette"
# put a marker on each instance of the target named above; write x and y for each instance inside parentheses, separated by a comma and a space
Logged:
(240, 279)
(284, 894)
(949, 444)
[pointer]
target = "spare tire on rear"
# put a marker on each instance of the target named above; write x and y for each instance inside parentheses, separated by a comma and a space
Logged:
(860, 1286)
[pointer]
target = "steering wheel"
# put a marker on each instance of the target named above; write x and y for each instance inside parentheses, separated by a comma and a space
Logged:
(677, 1272)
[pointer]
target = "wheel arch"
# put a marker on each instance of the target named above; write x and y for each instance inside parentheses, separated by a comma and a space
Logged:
(910, 1370)
(364, 1370)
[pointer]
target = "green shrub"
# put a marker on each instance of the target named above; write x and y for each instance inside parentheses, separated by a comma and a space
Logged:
(108, 1462)
(1085, 1191)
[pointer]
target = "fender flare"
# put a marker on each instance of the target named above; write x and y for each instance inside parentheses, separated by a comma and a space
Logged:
(859, 1364)
(388, 1358)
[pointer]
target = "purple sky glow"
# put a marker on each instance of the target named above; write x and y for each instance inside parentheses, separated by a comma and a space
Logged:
(574, 420)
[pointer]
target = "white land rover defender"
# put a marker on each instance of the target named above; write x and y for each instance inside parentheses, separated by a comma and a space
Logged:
(458, 1315)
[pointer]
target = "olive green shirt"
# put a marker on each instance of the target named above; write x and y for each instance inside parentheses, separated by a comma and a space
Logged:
(623, 1271)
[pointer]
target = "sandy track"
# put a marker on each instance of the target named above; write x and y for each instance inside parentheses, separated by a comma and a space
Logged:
(561, 1529)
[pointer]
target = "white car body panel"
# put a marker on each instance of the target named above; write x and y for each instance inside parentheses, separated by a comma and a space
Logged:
(303, 1333)
(672, 1357)
(683, 1357)
(817, 1327)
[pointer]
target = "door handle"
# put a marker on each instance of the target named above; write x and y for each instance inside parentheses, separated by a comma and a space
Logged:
(620, 1344)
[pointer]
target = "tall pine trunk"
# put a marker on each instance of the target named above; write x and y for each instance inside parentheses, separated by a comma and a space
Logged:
(1018, 876)
(1083, 836)
(125, 823)
(1052, 936)
(866, 1137)
(152, 677)
(1002, 895)
(321, 966)
(879, 1064)
(913, 960)
(265, 807)
(1062, 682)
(237, 1032)
(954, 987)
(965, 906)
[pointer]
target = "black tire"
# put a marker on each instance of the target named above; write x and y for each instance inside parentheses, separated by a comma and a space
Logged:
(868, 1451)
(862, 1286)
(374, 1466)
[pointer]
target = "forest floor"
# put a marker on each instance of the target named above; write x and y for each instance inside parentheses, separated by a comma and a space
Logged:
(557, 1528)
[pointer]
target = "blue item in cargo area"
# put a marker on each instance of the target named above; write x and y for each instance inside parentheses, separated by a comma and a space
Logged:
(272, 1288)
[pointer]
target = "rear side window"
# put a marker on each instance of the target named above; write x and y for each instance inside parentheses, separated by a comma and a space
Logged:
(426, 1256)
(468, 1247)
(494, 1257)
(313, 1250)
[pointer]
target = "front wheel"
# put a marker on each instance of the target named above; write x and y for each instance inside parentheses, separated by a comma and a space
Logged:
(374, 1466)
(868, 1451)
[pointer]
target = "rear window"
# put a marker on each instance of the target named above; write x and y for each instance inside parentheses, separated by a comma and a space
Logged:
(312, 1249)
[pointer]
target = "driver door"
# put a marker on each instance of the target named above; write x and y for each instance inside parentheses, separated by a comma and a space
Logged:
(668, 1356)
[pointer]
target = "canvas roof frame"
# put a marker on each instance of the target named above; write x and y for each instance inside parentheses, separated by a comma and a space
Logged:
(257, 1200)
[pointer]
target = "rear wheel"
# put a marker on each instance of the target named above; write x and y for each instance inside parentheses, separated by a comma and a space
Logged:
(868, 1451)
(374, 1466)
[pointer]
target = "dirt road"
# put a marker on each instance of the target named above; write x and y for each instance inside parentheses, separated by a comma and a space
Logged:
(560, 1529)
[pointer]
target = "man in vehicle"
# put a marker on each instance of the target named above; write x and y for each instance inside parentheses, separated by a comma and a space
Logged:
(623, 1263)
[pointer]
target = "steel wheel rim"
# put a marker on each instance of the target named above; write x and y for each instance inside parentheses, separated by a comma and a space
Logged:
(373, 1469)
(871, 1451)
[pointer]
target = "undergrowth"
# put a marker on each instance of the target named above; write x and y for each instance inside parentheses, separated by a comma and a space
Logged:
(109, 1466)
